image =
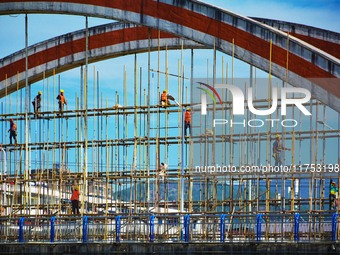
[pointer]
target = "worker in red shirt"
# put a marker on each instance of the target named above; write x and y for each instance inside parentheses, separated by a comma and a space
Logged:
(61, 101)
(75, 200)
(187, 121)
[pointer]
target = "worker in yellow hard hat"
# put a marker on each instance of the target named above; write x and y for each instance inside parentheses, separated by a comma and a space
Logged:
(164, 99)
(75, 200)
(61, 101)
(37, 104)
(277, 150)
(333, 193)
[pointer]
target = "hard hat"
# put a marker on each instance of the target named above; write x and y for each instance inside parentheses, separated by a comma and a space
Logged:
(188, 109)
(76, 187)
(277, 136)
(334, 183)
(39, 93)
(61, 90)
(164, 90)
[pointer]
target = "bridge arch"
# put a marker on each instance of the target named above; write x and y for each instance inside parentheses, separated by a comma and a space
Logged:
(326, 40)
(67, 51)
(209, 25)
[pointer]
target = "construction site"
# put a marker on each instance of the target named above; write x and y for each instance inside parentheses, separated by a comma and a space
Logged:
(143, 174)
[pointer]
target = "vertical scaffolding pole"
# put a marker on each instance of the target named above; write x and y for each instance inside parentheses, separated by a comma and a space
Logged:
(85, 118)
(183, 127)
(95, 149)
(213, 149)
(166, 131)
(26, 112)
(268, 181)
(135, 131)
(250, 148)
(148, 118)
(190, 179)
(135, 99)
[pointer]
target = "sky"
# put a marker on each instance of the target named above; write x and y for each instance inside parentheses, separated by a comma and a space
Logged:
(318, 13)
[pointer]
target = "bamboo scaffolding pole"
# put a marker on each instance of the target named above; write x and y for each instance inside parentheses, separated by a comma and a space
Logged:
(179, 64)
(147, 149)
(107, 169)
(135, 129)
(4, 106)
(231, 129)
(251, 148)
(166, 160)
(84, 189)
(191, 148)
(141, 129)
(27, 97)
(323, 161)
(157, 152)
(316, 154)
(93, 185)
(213, 148)
(268, 148)
(144, 153)
(294, 183)
(182, 147)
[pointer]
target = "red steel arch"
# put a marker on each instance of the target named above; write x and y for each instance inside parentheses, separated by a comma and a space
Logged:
(209, 25)
(67, 51)
(326, 40)
(106, 41)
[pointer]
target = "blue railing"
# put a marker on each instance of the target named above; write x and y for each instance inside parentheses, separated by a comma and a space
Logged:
(175, 228)
(258, 227)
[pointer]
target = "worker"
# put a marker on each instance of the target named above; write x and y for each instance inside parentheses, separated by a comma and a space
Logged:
(164, 99)
(162, 169)
(2, 211)
(333, 193)
(75, 200)
(36, 103)
(12, 132)
(187, 121)
(61, 101)
(277, 149)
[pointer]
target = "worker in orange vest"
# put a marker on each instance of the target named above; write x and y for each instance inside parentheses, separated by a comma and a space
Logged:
(61, 101)
(75, 200)
(12, 131)
(187, 121)
(164, 99)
